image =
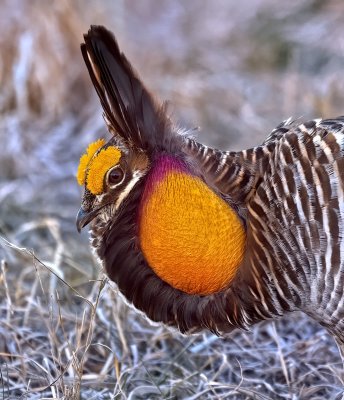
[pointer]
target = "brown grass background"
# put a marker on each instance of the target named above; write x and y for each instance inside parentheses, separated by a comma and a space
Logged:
(234, 69)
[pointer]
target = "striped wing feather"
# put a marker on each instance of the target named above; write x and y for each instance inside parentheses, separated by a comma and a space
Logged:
(293, 188)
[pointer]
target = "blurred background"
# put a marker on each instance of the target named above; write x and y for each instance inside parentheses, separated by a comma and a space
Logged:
(232, 69)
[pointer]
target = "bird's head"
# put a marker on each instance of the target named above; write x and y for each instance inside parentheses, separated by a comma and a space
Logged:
(159, 225)
(108, 171)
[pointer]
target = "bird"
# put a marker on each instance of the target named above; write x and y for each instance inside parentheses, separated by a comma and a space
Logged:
(197, 238)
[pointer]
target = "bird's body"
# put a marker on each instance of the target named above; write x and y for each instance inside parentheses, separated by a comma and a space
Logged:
(293, 189)
(200, 238)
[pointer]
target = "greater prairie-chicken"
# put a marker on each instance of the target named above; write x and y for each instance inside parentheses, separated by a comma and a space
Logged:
(200, 238)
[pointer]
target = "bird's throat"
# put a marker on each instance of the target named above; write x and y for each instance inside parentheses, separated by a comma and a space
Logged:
(190, 237)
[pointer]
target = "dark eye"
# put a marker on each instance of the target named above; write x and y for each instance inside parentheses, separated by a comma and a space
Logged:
(116, 176)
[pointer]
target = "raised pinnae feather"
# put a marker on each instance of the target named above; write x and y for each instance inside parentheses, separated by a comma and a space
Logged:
(129, 109)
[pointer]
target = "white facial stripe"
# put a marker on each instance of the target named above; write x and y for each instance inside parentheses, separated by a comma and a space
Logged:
(100, 197)
(136, 177)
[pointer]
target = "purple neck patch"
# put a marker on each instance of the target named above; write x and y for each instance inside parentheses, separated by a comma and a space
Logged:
(165, 164)
(162, 166)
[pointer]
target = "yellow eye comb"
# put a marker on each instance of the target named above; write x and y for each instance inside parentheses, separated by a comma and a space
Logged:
(92, 169)
(99, 166)
(85, 160)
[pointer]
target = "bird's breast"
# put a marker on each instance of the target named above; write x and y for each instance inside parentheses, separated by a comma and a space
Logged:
(190, 237)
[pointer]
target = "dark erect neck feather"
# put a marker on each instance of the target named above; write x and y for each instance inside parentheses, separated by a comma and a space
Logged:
(130, 110)
(125, 265)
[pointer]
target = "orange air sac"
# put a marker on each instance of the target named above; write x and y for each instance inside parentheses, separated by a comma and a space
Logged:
(190, 237)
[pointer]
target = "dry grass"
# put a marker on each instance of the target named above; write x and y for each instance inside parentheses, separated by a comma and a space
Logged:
(64, 332)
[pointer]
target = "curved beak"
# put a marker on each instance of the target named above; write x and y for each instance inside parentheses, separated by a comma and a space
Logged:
(84, 218)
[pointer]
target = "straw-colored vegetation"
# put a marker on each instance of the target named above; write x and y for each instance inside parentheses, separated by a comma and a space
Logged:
(235, 69)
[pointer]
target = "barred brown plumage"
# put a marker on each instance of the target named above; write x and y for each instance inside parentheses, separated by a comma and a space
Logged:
(286, 197)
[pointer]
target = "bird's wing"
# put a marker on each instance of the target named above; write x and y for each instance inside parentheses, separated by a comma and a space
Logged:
(296, 217)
